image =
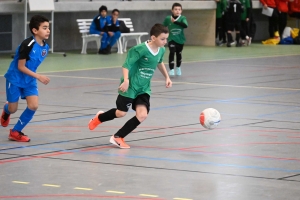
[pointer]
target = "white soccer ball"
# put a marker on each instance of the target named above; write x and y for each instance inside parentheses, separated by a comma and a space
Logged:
(210, 118)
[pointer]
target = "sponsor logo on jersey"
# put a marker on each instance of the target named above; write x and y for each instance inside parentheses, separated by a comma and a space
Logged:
(44, 52)
(146, 58)
(176, 31)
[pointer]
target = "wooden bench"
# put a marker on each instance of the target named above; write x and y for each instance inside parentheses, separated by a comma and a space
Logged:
(84, 29)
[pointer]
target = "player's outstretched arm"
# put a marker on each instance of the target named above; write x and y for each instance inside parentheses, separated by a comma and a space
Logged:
(21, 66)
(162, 69)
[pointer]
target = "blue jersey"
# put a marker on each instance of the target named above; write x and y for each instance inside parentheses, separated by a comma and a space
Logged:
(34, 55)
(99, 24)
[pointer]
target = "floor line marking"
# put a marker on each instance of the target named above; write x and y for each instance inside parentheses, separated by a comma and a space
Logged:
(51, 185)
(148, 195)
(182, 199)
(80, 188)
(192, 61)
(20, 182)
(187, 83)
(116, 192)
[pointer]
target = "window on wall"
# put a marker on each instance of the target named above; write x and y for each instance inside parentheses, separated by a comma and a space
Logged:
(5, 32)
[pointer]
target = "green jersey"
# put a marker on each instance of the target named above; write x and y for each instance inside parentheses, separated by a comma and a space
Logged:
(141, 63)
(176, 31)
(246, 4)
(221, 7)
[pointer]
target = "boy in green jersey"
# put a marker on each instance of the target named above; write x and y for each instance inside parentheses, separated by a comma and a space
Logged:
(176, 23)
(220, 29)
(135, 85)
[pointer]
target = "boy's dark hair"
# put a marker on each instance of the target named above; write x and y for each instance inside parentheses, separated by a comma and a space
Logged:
(158, 29)
(176, 5)
(102, 8)
(35, 22)
(115, 10)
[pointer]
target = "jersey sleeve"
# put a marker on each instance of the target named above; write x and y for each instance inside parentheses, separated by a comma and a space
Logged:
(132, 57)
(162, 55)
(24, 50)
(165, 23)
(184, 20)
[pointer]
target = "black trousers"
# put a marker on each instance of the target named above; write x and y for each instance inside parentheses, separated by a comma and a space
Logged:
(244, 29)
(273, 23)
(219, 28)
(282, 22)
(175, 48)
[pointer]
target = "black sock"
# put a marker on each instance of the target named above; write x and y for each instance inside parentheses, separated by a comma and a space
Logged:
(237, 37)
(108, 115)
(229, 38)
(128, 127)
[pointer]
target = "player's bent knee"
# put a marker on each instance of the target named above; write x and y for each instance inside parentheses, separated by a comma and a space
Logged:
(141, 116)
(120, 113)
(12, 108)
(33, 106)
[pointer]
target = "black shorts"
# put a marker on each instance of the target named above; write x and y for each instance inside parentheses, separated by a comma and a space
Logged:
(231, 26)
(124, 103)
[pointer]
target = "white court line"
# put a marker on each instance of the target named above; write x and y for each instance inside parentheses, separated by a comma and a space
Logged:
(194, 61)
(186, 83)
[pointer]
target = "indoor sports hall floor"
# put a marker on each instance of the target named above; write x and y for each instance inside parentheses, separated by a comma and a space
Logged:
(253, 154)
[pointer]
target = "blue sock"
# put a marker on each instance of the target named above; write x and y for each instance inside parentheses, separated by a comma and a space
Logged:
(6, 109)
(24, 119)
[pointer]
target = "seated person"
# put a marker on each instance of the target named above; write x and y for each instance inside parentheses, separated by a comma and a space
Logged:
(99, 26)
(114, 32)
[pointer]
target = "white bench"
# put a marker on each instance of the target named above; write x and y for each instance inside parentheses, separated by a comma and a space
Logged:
(84, 29)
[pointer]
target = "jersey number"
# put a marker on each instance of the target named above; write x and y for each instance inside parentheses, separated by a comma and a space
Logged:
(234, 6)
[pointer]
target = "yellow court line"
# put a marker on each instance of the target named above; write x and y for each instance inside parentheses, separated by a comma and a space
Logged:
(188, 83)
(20, 182)
(50, 185)
(79, 188)
(181, 199)
(148, 195)
(117, 192)
(194, 61)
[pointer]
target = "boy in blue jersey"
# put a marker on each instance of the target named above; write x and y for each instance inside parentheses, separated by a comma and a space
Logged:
(21, 77)
(113, 29)
(100, 26)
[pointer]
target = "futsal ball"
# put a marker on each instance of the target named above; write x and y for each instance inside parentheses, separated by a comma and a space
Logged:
(210, 118)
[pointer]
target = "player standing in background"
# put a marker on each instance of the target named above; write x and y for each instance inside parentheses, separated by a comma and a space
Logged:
(176, 24)
(234, 11)
(220, 32)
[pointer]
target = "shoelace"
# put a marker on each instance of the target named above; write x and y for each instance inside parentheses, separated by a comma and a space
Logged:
(21, 134)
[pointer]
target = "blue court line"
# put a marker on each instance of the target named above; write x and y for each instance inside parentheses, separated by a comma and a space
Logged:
(279, 113)
(174, 160)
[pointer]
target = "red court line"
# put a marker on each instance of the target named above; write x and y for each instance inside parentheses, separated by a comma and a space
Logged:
(293, 136)
(265, 135)
(76, 196)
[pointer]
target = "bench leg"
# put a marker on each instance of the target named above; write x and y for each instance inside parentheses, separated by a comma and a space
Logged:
(84, 45)
(120, 46)
(98, 44)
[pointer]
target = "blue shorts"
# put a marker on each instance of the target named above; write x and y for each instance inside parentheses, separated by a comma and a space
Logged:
(13, 93)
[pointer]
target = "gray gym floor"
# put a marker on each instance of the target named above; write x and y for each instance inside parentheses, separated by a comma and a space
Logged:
(253, 153)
